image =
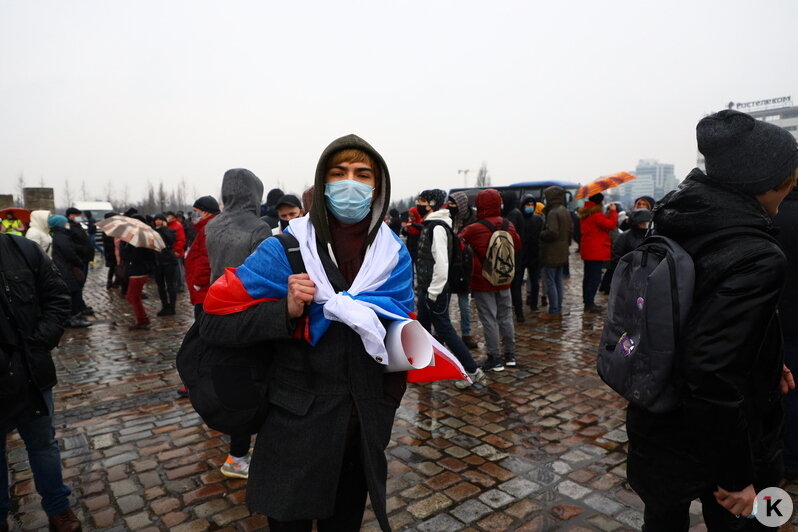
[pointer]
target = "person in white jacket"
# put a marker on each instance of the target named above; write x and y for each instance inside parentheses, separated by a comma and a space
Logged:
(39, 231)
(436, 247)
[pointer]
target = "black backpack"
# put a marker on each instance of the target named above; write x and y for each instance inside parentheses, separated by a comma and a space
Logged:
(650, 299)
(227, 385)
(461, 257)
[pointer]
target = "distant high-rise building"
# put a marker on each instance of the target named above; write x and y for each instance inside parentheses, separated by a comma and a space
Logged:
(654, 179)
(779, 111)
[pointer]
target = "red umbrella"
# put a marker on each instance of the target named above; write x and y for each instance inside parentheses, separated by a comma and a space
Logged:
(603, 183)
(19, 214)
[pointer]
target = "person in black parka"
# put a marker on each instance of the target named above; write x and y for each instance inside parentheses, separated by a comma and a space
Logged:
(533, 225)
(34, 304)
(511, 212)
(787, 222)
(70, 265)
(722, 444)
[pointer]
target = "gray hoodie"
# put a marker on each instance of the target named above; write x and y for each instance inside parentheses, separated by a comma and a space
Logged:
(233, 235)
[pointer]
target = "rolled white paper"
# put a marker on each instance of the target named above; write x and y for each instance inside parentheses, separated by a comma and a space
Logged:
(408, 346)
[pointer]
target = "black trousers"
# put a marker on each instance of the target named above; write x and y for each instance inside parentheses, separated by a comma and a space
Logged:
(350, 498)
(166, 279)
(672, 516)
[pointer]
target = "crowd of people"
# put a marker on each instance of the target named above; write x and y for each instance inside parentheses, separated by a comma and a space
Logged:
(329, 454)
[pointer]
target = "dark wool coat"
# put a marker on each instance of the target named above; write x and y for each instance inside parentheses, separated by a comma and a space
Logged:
(318, 396)
(727, 431)
(65, 257)
(41, 306)
(555, 238)
(489, 203)
(595, 227)
(237, 232)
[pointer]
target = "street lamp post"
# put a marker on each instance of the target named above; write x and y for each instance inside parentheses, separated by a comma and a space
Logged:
(465, 177)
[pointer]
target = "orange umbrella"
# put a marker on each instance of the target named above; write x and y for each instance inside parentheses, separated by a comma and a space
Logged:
(603, 183)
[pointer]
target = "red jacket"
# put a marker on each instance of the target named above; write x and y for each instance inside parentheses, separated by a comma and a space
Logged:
(595, 226)
(415, 220)
(198, 267)
(180, 238)
(476, 235)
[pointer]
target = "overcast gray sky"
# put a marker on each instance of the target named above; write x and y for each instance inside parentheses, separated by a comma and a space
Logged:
(131, 92)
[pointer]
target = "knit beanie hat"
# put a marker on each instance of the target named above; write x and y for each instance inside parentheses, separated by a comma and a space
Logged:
(72, 210)
(435, 197)
(56, 220)
(744, 153)
(160, 216)
(639, 216)
(596, 198)
(290, 200)
(207, 204)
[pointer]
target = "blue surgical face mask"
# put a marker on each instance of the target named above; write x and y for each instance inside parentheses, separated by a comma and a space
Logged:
(348, 200)
(78, 219)
(529, 210)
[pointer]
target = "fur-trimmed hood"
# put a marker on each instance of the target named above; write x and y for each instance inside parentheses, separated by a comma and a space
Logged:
(589, 208)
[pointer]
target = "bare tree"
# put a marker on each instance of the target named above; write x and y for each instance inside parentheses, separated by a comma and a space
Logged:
(109, 191)
(162, 197)
(20, 190)
(84, 193)
(182, 189)
(68, 193)
(483, 179)
(150, 203)
(41, 181)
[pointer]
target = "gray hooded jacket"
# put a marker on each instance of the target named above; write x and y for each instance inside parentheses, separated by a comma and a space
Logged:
(233, 235)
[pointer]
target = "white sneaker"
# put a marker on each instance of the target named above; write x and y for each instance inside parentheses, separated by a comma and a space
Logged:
(477, 377)
(235, 467)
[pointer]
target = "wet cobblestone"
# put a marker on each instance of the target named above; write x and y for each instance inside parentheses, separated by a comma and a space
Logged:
(541, 446)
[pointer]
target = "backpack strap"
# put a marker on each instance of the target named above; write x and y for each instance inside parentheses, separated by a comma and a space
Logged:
(294, 255)
(493, 228)
(487, 224)
(291, 246)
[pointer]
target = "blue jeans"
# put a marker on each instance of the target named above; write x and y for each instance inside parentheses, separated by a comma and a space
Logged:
(45, 463)
(436, 313)
(465, 314)
(591, 281)
(554, 288)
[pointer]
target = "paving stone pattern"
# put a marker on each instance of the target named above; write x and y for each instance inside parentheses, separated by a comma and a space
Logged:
(540, 447)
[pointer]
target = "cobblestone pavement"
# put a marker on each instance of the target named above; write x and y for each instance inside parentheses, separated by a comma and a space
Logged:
(539, 447)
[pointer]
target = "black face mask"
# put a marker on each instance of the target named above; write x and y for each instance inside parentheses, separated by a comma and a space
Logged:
(422, 209)
(453, 211)
(284, 224)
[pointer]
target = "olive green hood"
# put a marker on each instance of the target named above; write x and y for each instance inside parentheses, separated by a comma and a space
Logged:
(379, 206)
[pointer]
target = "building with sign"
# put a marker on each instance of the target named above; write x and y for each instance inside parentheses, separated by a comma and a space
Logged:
(780, 111)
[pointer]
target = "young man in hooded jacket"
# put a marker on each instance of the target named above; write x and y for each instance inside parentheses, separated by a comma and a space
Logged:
(321, 448)
(435, 251)
(230, 238)
(494, 303)
(462, 215)
(722, 444)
